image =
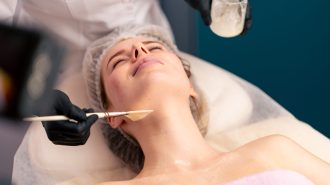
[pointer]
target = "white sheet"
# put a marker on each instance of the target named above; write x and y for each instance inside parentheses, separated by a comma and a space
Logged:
(234, 121)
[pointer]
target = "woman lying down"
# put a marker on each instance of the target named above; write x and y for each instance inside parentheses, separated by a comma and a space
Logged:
(137, 68)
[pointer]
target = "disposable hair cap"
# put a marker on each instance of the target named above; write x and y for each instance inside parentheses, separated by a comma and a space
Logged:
(98, 49)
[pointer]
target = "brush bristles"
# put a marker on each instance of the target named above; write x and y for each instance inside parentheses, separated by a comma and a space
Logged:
(137, 115)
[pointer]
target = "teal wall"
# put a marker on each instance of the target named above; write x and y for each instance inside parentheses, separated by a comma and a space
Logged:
(286, 53)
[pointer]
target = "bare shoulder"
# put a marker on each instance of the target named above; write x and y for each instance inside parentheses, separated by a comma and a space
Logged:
(284, 153)
(272, 139)
(280, 146)
(276, 151)
(268, 144)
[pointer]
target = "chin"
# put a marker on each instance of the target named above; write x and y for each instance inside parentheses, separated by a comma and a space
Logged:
(159, 79)
(152, 73)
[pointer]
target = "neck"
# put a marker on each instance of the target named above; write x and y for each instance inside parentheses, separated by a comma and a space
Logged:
(170, 140)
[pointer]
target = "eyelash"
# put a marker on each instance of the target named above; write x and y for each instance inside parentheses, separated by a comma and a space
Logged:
(155, 47)
(117, 62)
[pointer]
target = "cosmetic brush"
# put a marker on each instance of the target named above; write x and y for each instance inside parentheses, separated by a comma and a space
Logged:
(132, 115)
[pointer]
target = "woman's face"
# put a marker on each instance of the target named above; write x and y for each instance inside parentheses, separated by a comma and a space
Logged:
(138, 72)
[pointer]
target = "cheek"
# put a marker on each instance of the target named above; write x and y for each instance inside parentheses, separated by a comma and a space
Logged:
(114, 89)
(177, 66)
(174, 61)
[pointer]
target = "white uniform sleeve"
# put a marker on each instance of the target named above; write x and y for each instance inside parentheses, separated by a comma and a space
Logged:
(77, 23)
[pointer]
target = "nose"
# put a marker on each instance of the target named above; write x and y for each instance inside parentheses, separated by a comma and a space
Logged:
(139, 50)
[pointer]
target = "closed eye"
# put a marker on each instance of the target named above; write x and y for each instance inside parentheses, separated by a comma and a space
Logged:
(155, 48)
(117, 62)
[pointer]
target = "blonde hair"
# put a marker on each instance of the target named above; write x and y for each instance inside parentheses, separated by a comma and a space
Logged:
(198, 105)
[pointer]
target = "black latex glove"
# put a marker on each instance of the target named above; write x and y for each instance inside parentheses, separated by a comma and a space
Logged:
(68, 132)
(248, 19)
(204, 8)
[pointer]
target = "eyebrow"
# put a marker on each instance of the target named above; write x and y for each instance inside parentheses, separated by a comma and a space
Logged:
(120, 52)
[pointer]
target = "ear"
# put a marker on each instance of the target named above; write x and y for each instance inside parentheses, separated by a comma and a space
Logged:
(193, 92)
(115, 122)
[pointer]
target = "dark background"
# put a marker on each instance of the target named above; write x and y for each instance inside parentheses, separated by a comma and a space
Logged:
(285, 53)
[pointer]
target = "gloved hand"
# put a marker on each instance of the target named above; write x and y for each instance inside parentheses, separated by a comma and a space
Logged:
(204, 8)
(248, 19)
(68, 132)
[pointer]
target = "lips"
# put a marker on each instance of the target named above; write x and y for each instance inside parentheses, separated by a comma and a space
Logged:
(145, 62)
